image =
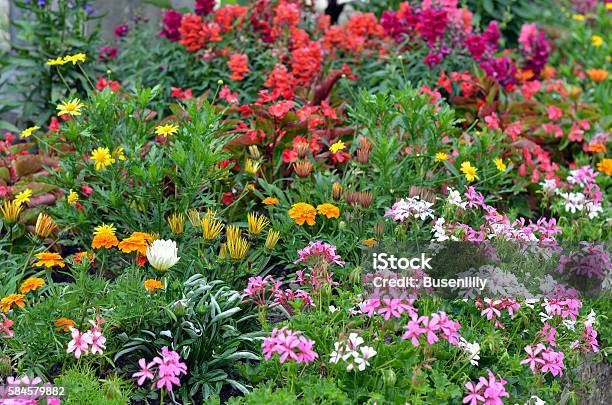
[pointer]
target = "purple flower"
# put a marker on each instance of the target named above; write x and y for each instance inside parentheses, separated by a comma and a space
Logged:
(172, 23)
(204, 7)
(501, 69)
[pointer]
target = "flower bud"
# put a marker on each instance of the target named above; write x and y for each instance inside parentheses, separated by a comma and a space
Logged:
(303, 169)
(336, 191)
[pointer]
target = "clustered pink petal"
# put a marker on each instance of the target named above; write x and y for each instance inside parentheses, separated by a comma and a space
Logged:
(169, 369)
(486, 391)
(289, 345)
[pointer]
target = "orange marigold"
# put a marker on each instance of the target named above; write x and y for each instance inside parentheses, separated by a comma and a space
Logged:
(104, 237)
(49, 260)
(13, 299)
(31, 284)
(151, 285)
(303, 212)
(329, 210)
(64, 324)
(137, 242)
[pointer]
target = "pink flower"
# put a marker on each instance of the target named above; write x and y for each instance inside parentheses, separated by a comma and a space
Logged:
(554, 113)
(97, 342)
(228, 96)
(5, 327)
(319, 251)
(145, 371)
(533, 360)
(473, 395)
(289, 345)
(492, 121)
(413, 331)
(80, 342)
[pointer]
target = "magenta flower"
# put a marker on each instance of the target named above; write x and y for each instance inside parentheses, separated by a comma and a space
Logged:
(145, 371)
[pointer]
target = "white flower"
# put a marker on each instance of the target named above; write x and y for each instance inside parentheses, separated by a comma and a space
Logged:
(439, 231)
(590, 319)
(337, 354)
(535, 400)
(549, 185)
(574, 201)
(471, 349)
(569, 324)
(162, 254)
(367, 353)
(454, 198)
(332, 309)
(544, 317)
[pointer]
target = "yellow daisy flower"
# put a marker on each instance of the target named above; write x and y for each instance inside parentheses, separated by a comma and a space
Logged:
(28, 131)
(102, 158)
(70, 107)
(337, 147)
(166, 129)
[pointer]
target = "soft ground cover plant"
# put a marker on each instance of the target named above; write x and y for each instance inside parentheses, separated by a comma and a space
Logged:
(197, 235)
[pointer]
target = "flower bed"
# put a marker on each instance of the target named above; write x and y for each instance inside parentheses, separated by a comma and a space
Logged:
(204, 215)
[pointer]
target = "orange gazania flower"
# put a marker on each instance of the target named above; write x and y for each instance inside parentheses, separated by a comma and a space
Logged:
(49, 260)
(329, 210)
(104, 237)
(369, 242)
(598, 75)
(31, 284)
(151, 285)
(64, 324)
(605, 166)
(270, 201)
(138, 242)
(596, 147)
(303, 212)
(13, 299)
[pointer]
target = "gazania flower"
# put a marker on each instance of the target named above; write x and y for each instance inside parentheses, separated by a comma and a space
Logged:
(73, 197)
(303, 212)
(237, 246)
(151, 285)
(104, 237)
(605, 166)
(256, 223)
(102, 158)
(49, 260)
(31, 284)
(597, 41)
(28, 131)
(64, 324)
(598, 75)
(251, 166)
(162, 255)
(337, 147)
(10, 211)
(211, 226)
(176, 222)
(166, 129)
(70, 107)
(23, 197)
(12, 300)
(56, 62)
(270, 201)
(369, 242)
(194, 217)
(45, 225)
(272, 239)
(79, 57)
(329, 210)
(469, 171)
(499, 163)
(137, 242)
(440, 156)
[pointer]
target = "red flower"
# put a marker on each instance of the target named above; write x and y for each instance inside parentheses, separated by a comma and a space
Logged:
(86, 190)
(104, 83)
(54, 125)
(229, 16)
(227, 198)
(238, 64)
(279, 110)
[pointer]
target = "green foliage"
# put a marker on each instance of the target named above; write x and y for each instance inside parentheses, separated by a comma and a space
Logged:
(44, 33)
(84, 387)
